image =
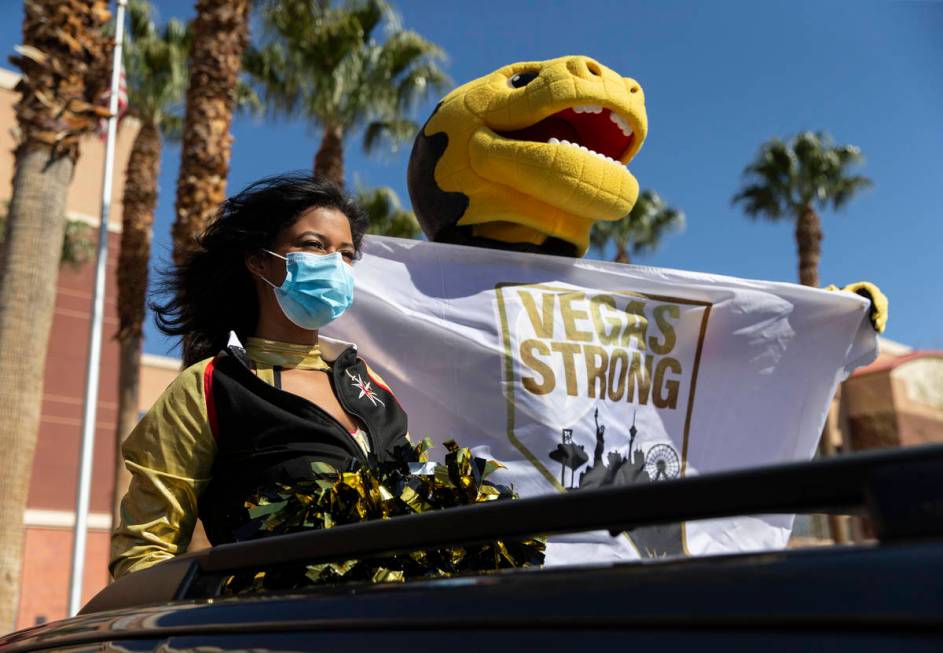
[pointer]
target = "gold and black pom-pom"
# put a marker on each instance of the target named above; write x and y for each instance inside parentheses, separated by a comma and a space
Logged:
(408, 484)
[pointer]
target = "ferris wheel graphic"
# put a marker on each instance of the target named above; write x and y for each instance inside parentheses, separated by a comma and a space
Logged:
(661, 463)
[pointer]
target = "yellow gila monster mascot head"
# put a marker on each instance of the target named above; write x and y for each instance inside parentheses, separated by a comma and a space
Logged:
(529, 157)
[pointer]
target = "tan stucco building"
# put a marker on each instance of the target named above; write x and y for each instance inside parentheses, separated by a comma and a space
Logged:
(895, 401)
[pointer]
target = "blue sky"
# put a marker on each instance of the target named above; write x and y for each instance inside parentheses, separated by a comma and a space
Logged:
(720, 78)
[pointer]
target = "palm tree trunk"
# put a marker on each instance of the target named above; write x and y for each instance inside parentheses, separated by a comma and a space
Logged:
(808, 241)
(220, 34)
(139, 202)
(34, 232)
(622, 254)
(329, 160)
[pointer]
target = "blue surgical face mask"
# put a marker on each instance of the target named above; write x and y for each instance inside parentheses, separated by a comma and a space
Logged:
(317, 288)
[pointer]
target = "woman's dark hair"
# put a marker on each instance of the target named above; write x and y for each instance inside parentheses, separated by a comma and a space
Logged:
(212, 292)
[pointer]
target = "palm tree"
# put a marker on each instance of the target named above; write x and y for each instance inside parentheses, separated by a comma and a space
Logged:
(64, 61)
(641, 230)
(156, 68)
(220, 34)
(789, 180)
(387, 217)
(321, 63)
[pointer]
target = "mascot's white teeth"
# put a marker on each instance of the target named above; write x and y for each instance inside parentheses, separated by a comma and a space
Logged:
(620, 123)
(587, 108)
(557, 141)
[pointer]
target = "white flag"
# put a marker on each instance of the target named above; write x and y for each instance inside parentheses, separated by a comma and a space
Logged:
(576, 373)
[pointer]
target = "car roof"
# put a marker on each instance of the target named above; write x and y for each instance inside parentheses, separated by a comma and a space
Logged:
(897, 582)
(872, 588)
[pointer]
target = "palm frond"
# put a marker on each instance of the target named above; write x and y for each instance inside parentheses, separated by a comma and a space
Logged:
(386, 215)
(653, 226)
(761, 201)
(404, 49)
(643, 229)
(604, 232)
(155, 63)
(417, 84)
(273, 78)
(327, 63)
(848, 187)
(141, 20)
(787, 178)
(369, 14)
(171, 127)
(247, 100)
(395, 132)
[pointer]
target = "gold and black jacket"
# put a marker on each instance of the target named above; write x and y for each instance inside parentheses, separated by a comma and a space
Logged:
(224, 428)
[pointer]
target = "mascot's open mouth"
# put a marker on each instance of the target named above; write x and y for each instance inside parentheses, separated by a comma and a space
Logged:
(590, 127)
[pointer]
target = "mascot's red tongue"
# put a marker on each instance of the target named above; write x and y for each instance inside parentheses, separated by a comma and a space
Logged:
(596, 131)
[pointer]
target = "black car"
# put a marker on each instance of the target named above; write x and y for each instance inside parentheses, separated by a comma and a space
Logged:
(887, 596)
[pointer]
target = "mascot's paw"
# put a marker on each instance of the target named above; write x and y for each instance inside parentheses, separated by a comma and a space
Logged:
(877, 298)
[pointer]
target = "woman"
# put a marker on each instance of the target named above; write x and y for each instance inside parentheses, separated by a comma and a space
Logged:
(262, 395)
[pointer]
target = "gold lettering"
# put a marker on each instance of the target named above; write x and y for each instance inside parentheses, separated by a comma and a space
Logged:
(636, 326)
(596, 303)
(571, 315)
(542, 321)
(667, 329)
(640, 376)
(596, 371)
(659, 398)
(547, 383)
(568, 350)
(619, 359)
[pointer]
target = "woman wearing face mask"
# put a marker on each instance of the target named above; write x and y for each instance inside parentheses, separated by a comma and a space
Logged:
(263, 395)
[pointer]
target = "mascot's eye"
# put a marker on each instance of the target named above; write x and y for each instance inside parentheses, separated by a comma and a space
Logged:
(522, 79)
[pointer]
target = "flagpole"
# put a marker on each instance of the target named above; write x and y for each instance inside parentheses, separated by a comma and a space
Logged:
(95, 337)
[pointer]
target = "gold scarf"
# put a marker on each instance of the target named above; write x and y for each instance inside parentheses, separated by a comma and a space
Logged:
(271, 353)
